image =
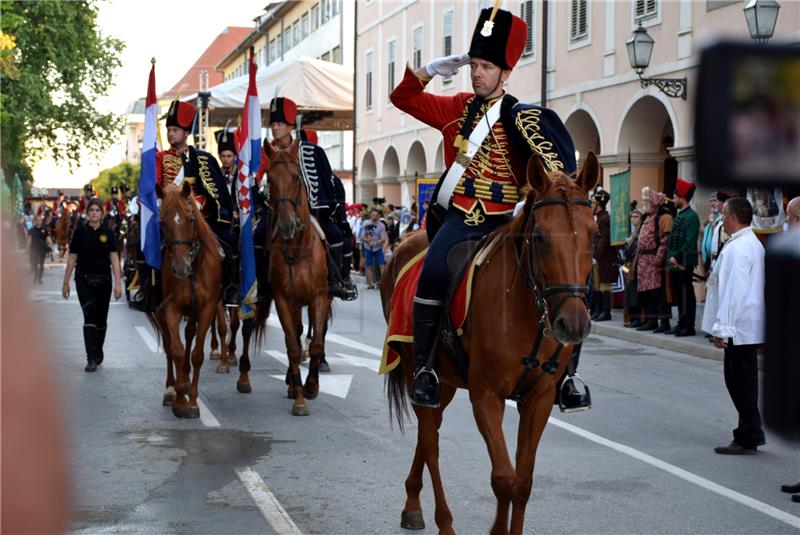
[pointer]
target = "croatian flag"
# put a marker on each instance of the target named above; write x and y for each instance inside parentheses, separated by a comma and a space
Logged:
(248, 140)
(149, 222)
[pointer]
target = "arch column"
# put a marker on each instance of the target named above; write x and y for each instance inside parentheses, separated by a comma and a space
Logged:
(685, 156)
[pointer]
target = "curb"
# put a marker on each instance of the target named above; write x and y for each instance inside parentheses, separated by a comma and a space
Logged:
(681, 345)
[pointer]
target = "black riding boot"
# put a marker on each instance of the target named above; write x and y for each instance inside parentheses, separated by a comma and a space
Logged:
(89, 342)
(605, 311)
(230, 282)
(425, 390)
(569, 397)
(347, 262)
(595, 304)
(149, 288)
(336, 286)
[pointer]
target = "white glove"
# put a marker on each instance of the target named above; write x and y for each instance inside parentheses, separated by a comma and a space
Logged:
(446, 66)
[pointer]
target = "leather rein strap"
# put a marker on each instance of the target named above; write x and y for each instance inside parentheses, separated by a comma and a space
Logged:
(530, 361)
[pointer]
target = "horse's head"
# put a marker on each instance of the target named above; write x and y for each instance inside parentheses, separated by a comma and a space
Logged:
(179, 217)
(286, 188)
(560, 229)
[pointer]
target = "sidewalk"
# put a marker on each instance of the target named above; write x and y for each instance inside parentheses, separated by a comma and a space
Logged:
(697, 345)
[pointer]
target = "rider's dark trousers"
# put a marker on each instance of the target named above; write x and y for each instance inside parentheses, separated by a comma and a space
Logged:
(94, 297)
(434, 279)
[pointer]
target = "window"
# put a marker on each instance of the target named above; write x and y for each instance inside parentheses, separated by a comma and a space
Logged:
(326, 56)
(304, 25)
(645, 9)
(315, 17)
(296, 34)
(391, 59)
(578, 24)
(527, 16)
(287, 40)
(273, 51)
(447, 38)
(336, 55)
(416, 48)
(325, 11)
(368, 70)
(336, 7)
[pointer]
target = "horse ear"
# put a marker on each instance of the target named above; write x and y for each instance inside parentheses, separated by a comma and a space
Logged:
(537, 175)
(186, 189)
(589, 174)
(159, 191)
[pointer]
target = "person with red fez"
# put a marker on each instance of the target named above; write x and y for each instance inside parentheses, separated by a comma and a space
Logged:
(488, 139)
(682, 258)
(182, 162)
(88, 193)
(115, 207)
(325, 196)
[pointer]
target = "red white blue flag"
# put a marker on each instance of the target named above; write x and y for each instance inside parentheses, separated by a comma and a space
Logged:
(248, 139)
(149, 222)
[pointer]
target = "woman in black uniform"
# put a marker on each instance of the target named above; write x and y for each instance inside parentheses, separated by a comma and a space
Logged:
(94, 250)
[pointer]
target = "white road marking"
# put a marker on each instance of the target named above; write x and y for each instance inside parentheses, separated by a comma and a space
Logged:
(676, 471)
(271, 509)
(352, 360)
(329, 383)
(336, 339)
(206, 416)
(148, 339)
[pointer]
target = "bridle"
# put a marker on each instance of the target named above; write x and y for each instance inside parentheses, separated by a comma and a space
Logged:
(193, 244)
(295, 202)
(540, 296)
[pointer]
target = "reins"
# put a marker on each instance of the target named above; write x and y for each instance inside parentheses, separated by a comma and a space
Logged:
(530, 362)
(194, 251)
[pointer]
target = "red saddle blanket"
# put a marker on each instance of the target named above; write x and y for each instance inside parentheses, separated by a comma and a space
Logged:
(401, 325)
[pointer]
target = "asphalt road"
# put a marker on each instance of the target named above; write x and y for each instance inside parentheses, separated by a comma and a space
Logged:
(640, 461)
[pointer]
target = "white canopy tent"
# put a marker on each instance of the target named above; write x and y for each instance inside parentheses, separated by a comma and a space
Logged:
(322, 90)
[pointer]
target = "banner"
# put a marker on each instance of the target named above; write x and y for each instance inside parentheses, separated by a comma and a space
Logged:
(425, 187)
(150, 224)
(248, 140)
(620, 206)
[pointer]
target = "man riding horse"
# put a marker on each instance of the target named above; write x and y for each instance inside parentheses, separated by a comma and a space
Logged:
(488, 139)
(325, 196)
(182, 162)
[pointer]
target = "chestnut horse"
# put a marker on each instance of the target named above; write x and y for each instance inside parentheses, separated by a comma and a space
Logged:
(191, 275)
(539, 264)
(63, 232)
(298, 271)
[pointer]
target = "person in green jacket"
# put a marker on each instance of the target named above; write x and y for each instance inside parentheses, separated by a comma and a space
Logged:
(682, 258)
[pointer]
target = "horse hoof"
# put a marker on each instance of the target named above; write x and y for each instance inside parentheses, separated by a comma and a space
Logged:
(324, 367)
(215, 354)
(232, 360)
(180, 411)
(192, 412)
(223, 368)
(300, 410)
(243, 388)
(412, 520)
(169, 397)
(311, 393)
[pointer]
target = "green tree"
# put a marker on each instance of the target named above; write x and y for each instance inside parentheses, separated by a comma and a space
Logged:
(55, 65)
(114, 176)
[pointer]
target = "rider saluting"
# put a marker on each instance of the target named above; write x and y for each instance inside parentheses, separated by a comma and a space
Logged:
(488, 138)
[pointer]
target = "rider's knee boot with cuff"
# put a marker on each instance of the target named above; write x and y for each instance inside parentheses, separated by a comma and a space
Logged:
(336, 286)
(425, 390)
(230, 281)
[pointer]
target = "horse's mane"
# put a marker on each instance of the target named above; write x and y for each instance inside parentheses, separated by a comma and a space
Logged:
(173, 202)
(561, 186)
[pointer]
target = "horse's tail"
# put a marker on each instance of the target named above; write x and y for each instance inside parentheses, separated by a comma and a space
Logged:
(396, 392)
(260, 320)
(151, 317)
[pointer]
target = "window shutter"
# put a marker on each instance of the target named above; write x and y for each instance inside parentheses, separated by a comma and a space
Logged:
(527, 16)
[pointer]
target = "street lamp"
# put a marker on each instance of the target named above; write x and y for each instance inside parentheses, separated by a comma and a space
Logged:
(640, 48)
(761, 16)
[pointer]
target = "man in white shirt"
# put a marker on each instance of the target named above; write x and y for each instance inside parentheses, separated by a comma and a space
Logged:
(739, 323)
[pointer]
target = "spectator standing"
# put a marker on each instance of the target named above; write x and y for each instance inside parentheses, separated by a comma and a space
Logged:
(718, 239)
(374, 237)
(793, 213)
(708, 230)
(93, 249)
(739, 322)
(392, 229)
(604, 272)
(629, 268)
(651, 252)
(682, 258)
(40, 244)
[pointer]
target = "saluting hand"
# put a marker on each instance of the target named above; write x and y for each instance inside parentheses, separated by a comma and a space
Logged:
(447, 66)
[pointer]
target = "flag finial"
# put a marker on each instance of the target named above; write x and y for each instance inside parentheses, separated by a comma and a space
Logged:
(153, 60)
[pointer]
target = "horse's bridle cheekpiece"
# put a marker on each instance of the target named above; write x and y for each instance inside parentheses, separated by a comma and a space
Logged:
(581, 291)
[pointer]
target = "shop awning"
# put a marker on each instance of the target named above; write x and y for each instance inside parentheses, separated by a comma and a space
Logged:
(322, 90)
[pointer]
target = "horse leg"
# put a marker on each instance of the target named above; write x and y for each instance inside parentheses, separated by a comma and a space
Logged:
(234, 330)
(243, 384)
(304, 341)
(169, 387)
(324, 367)
(532, 420)
(317, 315)
(215, 354)
(175, 352)
(427, 453)
(488, 411)
(289, 320)
(220, 315)
(207, 314)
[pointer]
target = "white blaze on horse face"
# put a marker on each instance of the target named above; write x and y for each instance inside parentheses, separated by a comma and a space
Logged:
(177, 219)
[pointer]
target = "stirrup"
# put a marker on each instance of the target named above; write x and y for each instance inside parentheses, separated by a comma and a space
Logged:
(574, 406)
(428, 403)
